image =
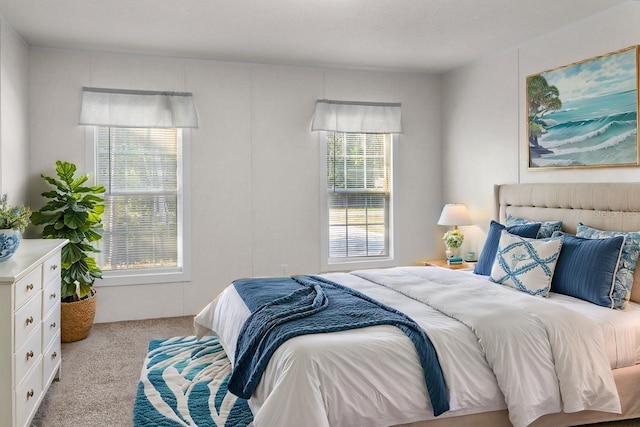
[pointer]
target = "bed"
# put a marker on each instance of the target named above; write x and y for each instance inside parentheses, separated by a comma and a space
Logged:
(581, 366)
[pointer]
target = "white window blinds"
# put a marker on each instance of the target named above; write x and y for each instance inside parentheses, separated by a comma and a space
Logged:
(358, 175)
(137, 108)
(357, 117)
(140, 169)
(358, 194)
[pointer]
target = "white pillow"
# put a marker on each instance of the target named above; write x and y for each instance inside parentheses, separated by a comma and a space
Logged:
(526, 264)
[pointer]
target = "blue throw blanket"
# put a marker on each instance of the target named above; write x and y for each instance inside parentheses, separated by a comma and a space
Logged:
(283, 308)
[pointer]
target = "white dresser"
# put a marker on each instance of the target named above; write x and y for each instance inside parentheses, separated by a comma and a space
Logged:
(29, 328)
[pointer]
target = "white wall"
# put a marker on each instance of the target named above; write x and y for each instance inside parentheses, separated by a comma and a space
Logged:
(254, 162)
(255, 165)
(480, 134)
(484, 113)
(14, 115)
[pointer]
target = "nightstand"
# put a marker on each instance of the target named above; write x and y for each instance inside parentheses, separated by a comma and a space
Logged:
(443, 263)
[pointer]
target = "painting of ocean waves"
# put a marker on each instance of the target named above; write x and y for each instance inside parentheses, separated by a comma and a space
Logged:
(591, 114)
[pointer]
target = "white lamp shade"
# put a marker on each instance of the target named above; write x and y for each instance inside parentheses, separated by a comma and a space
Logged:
(454, 214)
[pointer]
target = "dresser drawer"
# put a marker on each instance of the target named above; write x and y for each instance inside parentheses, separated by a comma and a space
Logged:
(30, 335)
(50, 326)
(28, 286)
(28, 395)
(26, 319)
(51, 296)
(28, 355)
(51, 269)
(51, 358)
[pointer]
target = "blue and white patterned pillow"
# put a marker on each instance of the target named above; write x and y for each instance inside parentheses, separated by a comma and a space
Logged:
(546, 228)
(628, 260)
(526, 264)
(490, 248)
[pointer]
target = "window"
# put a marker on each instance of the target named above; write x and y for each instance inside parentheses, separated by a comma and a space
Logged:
(358, 195)
(141, 169)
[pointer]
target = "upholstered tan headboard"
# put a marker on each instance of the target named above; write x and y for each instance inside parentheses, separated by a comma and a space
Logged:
(606, 206)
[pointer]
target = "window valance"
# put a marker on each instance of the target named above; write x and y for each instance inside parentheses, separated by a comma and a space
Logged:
(357, 117)
(137, 108)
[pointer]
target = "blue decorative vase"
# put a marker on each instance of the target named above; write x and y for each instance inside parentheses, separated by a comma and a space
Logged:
(9, 242)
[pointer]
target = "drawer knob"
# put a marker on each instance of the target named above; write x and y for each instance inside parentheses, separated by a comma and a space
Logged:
(54, 267)
(53, 325)
(54, 355)
(29, 320)
(53, 295)
(30, 355)
(29, 394)
(30, 286)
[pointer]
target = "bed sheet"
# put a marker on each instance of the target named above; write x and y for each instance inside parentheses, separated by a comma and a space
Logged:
(621, 329)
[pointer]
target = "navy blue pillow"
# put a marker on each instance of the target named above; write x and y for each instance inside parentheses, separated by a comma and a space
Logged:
(586, 268)
(490, 248)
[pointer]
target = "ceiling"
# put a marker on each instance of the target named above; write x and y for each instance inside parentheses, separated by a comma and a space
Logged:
(424, 36)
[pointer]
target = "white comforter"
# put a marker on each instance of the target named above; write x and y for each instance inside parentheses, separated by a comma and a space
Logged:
(497, 347)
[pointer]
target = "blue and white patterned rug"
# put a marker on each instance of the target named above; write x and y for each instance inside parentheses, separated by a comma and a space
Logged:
(184, 383)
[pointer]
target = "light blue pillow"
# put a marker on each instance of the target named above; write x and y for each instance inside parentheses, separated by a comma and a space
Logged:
(547, 228)
(587, 267)
(628, 261)
(490, 248)
(526, 264)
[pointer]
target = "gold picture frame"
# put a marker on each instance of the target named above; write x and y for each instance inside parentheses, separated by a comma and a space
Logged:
(585, 115)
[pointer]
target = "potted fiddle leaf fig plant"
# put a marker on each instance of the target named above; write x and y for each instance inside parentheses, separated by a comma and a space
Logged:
(74, 212)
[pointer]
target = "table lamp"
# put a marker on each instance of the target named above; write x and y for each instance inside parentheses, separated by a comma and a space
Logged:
(454, 214)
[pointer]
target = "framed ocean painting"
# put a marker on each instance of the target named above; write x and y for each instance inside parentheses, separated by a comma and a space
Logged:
(585, 114)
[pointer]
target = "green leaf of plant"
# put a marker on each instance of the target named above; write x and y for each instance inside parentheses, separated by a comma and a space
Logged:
(88, 248)
(53, 206)
(71, 253)
(92, 235)
(89, 190)
(75, 236)
(94, 218)
(78, 182)
(38, 218)
(65, 171)
(98, 189)
(94, 270)
(79, 272)
(75, 219)
(50, 194)
(98, 210)
(53, 182)
(92, 198)
(84, 290)
(50, 231)
(67, 290)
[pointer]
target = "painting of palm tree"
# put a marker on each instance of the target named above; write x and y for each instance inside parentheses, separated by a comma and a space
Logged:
(585, 114)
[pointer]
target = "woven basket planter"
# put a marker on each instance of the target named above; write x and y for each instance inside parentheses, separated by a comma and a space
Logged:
(76, 318)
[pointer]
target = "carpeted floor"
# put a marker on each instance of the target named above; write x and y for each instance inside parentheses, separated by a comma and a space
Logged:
(100, 375)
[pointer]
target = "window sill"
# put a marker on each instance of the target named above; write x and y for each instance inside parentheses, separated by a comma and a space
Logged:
(128, 278)
(358, 264)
